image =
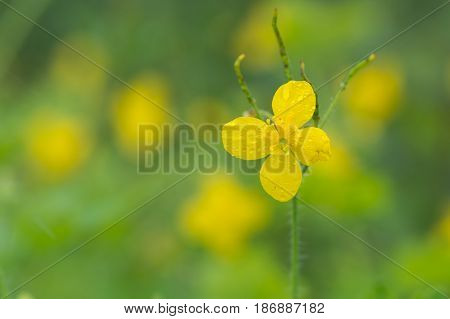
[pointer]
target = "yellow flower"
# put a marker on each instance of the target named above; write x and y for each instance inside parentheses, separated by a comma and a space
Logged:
(224, 215)
(283, 140)
(133, 110)
(56, 145)
(375, 94)
(74, 72)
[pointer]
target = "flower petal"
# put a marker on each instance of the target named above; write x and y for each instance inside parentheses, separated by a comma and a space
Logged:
(248, 138)
(294, 103)
(281, 176)
(312, 145)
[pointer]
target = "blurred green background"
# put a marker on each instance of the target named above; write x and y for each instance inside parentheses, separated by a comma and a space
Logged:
(68, 139)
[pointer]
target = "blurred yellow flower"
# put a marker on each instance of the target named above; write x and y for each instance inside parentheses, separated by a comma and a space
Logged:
(340, 178)
(207, 110)
(374, 95)
(443, 227)
(342, 165)
(224, 215)
(132, 110)
(56, 145)
(73, 71)
(255, 36)
(250, 138)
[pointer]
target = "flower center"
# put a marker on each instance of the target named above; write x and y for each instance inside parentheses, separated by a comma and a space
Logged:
(284, 144)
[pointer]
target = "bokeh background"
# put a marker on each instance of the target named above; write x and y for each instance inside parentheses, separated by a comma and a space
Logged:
(68, 150)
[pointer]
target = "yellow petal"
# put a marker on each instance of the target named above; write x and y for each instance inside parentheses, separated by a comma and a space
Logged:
(281, 176)
(312, 145)
(248, 138)
(294, 103)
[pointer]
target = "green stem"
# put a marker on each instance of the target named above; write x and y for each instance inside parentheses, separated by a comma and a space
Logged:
(295, 266)
(283, 53)
(303, 72)
(295, 250)
(243, 85)
(344, 84)
(316, 116)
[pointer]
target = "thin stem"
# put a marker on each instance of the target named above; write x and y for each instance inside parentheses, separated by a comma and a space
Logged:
(283, 53)
(316, 116)
(295, 258)
(303, 72)
(344, 84)
(295, 267)
(243, 84)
